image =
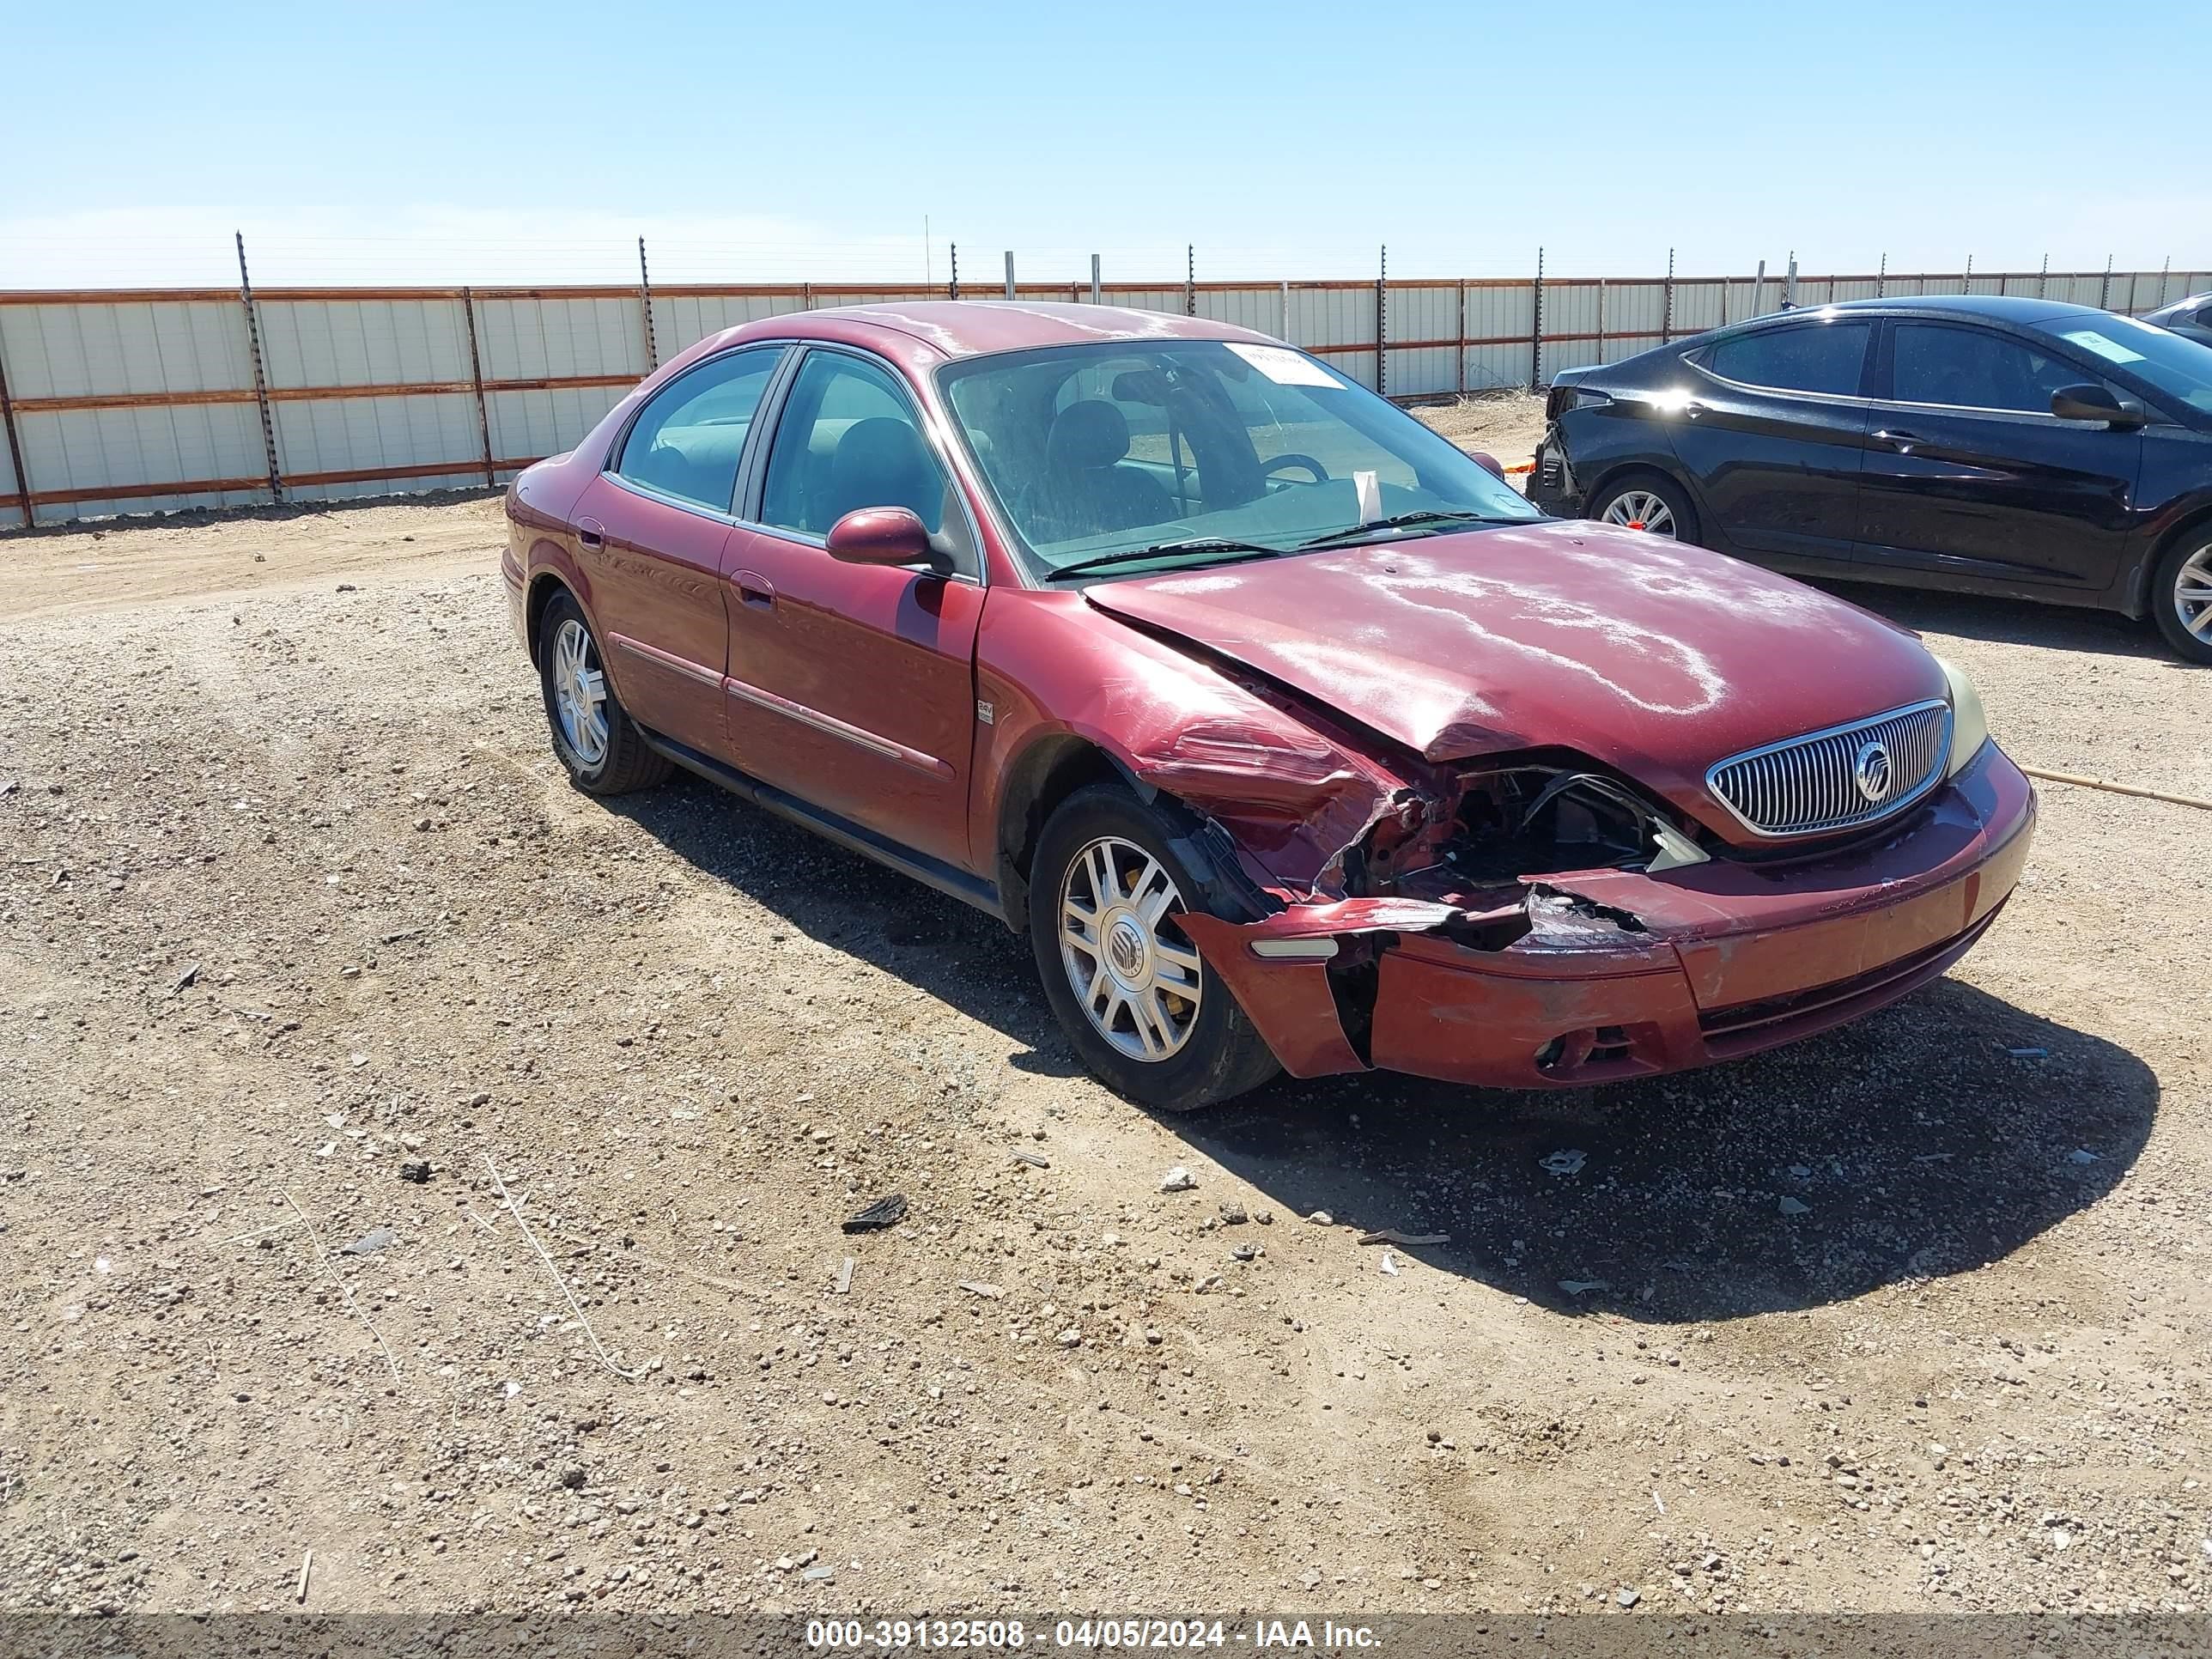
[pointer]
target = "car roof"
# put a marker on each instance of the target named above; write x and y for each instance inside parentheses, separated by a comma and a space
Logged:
(968, 328)
(1997, 307)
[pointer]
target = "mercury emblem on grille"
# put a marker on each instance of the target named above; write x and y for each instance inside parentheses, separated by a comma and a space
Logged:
(1871, 771)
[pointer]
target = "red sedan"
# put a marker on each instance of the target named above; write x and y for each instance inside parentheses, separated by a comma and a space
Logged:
(1291, 736)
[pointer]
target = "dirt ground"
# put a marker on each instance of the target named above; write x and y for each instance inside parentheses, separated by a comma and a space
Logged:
(1910, 1317)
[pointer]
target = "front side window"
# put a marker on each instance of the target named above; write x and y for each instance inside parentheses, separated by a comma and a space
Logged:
(688, 440)
(848, 439)
(1967, 369)
(1822, 357)
(1188, 450)
(2178, 367)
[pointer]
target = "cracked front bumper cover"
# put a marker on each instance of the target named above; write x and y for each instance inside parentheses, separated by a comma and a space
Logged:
(1615, 974)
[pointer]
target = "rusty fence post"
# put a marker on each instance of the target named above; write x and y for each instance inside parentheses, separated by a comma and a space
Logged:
(2105, 293)
(2043, 279)
(476, 373)
(1190, 279)
(1667, 317)
(1382, 324)
(953, 289)
(1536, 328)
(16, 448)
(260, 379)
(1601, 321)
(1461, 377)
(1882, 279)
(645, 304)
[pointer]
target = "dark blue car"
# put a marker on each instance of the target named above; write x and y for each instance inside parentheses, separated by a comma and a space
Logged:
(1980, 445)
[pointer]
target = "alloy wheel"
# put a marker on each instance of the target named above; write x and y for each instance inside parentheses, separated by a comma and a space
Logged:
(2192, 593)
(1640, 509)
(580, 692)
(1132, 967)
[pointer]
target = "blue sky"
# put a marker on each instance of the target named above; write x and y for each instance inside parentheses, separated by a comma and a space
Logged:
(399, 142)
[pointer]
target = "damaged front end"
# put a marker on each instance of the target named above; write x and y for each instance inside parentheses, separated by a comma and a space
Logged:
(1536, 922)
(1470, 871)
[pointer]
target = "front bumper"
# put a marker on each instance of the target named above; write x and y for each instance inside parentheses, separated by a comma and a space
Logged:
(1625, 974)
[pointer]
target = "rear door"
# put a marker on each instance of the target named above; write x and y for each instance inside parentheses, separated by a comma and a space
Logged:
(1773, 433)
(1969, 475)
(654, 527)
(853, 686)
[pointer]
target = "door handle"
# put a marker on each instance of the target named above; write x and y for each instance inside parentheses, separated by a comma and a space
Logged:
(591, 533)
(1693, 409)
(753, 587)
(1900, 441)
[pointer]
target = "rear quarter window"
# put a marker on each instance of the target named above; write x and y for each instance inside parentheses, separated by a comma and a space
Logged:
(1821, 357)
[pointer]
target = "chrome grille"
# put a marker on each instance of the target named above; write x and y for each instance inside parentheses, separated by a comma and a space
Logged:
(1812, 784)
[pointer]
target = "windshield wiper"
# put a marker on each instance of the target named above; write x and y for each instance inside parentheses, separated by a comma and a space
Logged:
(1402, 521)
(1196, 544)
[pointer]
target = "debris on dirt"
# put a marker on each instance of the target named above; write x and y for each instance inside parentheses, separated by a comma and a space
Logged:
(347, 587)
(1392, 1236)
(1033, 1159)
(1321, 1218)
(845, 1278)
(184, 981)
(514, 1212)
(1626, 1596)
(1071, 1337)
(306, 1566)
(416, 1170)
(1390, 1264)
(1246, 1253)
(978, 1287)
(1565, 1162)
(1790, 1205)
(1585, 1286)
(1234, 1214)
(886, 1212)
(369, 1242)
(1178, 1179)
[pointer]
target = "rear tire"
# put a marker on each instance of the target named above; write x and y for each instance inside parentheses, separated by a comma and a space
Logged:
(2181, 595)
(594, 738)
(1153, 1022)
(1647, 502)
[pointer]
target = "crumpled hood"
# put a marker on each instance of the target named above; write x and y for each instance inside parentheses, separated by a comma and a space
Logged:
(1658, 657)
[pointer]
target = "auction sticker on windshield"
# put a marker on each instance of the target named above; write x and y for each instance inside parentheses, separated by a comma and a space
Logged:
(2112, 350)
(1284, 365)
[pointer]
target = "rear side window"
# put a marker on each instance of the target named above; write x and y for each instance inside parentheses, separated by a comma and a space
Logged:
(1824, 357)
(1966, 368)
(688, 440)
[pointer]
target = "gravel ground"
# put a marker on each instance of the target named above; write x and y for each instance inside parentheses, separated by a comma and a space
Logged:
(1912, 1315)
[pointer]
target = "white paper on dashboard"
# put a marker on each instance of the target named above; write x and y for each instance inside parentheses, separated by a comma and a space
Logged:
(1282, 365)
(1368, 486)
(2109, 350)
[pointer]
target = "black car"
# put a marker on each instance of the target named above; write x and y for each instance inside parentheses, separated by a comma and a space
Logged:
(1982, 445)
(2191, 317)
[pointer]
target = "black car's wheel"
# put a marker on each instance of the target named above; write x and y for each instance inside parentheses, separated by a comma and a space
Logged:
(1649, 502)
(1143, 1011)
(2181, 595)
(597, 742)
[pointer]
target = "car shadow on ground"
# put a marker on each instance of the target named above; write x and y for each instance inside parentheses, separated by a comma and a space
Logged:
(2005, 622)
(1930, 1139)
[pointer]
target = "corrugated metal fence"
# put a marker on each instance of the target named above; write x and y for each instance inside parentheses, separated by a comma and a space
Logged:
(133, 401)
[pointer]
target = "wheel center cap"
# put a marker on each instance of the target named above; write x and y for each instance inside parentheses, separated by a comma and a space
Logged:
(1127, 951)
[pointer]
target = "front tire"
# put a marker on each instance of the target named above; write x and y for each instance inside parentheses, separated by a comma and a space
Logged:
(1649, 502)
(1146, 1015)
(2181, 596)
(595, 740)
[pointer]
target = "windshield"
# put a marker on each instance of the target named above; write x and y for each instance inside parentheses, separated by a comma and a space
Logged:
(2177, 366)
(1121, 454)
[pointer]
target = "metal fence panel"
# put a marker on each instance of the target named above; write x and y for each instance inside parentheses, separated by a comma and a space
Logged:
(325, 342)
(131, 401)
(75, 456)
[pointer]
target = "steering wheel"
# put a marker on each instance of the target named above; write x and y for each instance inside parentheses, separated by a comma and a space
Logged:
(1268, 469)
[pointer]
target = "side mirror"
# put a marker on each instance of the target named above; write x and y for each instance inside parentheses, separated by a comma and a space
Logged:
(882, 535)
(1488, 463)
(2093, 403)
